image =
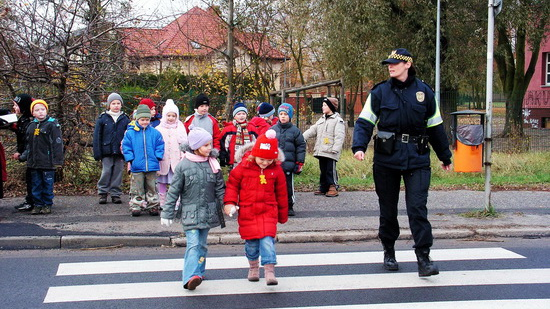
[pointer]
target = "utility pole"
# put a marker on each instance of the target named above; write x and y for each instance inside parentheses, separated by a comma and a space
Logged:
(495, 6)
(230, 60)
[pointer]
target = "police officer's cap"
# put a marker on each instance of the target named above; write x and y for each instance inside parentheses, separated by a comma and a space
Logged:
(398, 55)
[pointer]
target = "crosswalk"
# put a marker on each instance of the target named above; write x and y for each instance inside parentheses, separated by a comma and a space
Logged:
(310, 282)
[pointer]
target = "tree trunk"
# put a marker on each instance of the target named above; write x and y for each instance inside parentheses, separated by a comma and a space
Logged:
(230, 62)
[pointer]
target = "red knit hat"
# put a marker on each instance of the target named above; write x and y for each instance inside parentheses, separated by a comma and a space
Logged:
(266, 146)
(148, 102)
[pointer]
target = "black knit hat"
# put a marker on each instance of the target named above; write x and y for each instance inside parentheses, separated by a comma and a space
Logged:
(201, 99)
(24, 102)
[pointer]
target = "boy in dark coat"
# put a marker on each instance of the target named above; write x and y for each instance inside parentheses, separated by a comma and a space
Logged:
(108, 134)
(294, 147)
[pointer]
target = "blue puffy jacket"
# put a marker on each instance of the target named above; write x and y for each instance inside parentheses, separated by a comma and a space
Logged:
(143, 148)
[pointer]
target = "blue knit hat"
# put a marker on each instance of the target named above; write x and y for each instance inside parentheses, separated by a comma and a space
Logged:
(287, 108)
(239, 107)
(265, 110)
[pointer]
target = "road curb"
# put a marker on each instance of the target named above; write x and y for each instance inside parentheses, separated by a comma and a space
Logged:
(99, 241)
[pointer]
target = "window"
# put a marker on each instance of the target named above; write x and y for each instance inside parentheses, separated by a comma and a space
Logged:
(547, 66)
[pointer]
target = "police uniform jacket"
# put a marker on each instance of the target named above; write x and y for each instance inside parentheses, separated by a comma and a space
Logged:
(402, 108)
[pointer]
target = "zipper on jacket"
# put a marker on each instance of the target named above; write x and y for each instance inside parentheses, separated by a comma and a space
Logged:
(145, 151)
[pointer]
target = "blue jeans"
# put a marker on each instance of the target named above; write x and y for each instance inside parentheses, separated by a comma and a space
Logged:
(42, 187)
(264, 247)
(194, 263)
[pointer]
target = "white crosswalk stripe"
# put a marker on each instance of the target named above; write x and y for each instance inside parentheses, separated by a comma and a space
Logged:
(310, 283)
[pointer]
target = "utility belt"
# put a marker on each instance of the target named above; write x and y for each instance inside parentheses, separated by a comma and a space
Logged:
(384, 142)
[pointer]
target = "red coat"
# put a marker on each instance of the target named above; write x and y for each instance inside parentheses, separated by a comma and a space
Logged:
(261, 205)
(229, 137)
(262, 124)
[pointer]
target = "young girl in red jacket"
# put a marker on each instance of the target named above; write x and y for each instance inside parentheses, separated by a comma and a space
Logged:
(258, 186)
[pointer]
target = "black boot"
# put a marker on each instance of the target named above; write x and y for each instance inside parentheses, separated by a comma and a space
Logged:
(390, 263)
(291, 212)
(426, 267)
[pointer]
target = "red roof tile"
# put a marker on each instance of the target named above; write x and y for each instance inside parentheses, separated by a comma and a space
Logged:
(200, 26)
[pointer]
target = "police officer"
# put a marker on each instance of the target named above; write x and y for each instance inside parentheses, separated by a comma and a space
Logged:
(407, 117)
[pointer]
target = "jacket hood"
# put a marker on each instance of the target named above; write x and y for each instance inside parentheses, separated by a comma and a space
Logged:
(245, 150)
(184, 147)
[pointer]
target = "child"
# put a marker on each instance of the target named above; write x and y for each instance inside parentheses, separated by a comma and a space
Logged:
(155, 117)
(294, 147)
(330, 131)
(143, 147)
(44, 153)
(174, 134)
(198, 183)
(235, 135)
(265, 118)
(108, 134)
(257, 184)
(201, 118)
(22, 105)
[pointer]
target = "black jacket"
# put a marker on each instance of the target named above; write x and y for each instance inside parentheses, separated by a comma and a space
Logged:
(108, 135)
(44, 145)
(292, 142)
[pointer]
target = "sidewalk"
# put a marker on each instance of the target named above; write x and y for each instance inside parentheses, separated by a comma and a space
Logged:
(80, 222)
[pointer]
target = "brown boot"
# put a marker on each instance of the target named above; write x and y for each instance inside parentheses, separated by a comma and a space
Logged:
(269, 272)
(254, 270)
(332, 192)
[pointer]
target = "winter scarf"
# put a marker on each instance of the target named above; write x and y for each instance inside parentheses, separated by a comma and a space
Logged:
(242, 135)
(214, 164)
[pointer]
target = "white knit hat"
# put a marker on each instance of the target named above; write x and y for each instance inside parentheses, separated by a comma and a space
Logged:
(170, 107)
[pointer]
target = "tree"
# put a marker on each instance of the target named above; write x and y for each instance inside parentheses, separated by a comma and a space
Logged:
(522, 24)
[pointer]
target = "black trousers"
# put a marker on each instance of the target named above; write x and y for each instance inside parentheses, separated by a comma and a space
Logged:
(417, 182)
(290, 189)
(328, 174)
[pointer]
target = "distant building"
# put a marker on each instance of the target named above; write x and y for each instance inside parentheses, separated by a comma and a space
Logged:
(193, 44)
(536, 103)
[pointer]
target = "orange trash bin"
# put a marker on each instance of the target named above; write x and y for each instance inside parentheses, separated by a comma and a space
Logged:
(468, 135)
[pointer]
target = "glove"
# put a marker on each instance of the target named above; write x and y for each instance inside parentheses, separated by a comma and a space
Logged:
(298, 168)
(224, 158)
(233, 210)
(166, 222)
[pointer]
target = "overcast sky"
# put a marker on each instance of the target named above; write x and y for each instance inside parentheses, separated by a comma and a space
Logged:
(165, 7)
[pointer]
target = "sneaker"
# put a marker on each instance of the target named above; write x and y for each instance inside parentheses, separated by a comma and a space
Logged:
(24, 207)
(103, 199)
(46, 210)
(36, 210)
(193, 283)
(154, 211)
(291, 213)
(136, 212)
(116, 200)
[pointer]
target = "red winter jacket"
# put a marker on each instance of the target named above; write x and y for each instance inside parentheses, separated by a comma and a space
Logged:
(262, 125)
(261, 205)
(228, 140)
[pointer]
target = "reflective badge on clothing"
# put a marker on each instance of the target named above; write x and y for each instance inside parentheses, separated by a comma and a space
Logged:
(420, 96)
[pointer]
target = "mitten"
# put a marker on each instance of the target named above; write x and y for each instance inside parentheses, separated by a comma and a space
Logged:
(166, 222)
(298, 168)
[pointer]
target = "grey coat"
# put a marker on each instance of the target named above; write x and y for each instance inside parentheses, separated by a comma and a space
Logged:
(330, 133)
(200, 192)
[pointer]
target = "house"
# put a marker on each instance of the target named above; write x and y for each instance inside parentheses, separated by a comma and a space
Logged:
(194, 44)
(536, 102)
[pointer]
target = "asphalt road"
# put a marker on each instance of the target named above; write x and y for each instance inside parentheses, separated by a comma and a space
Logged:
(35, 278)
